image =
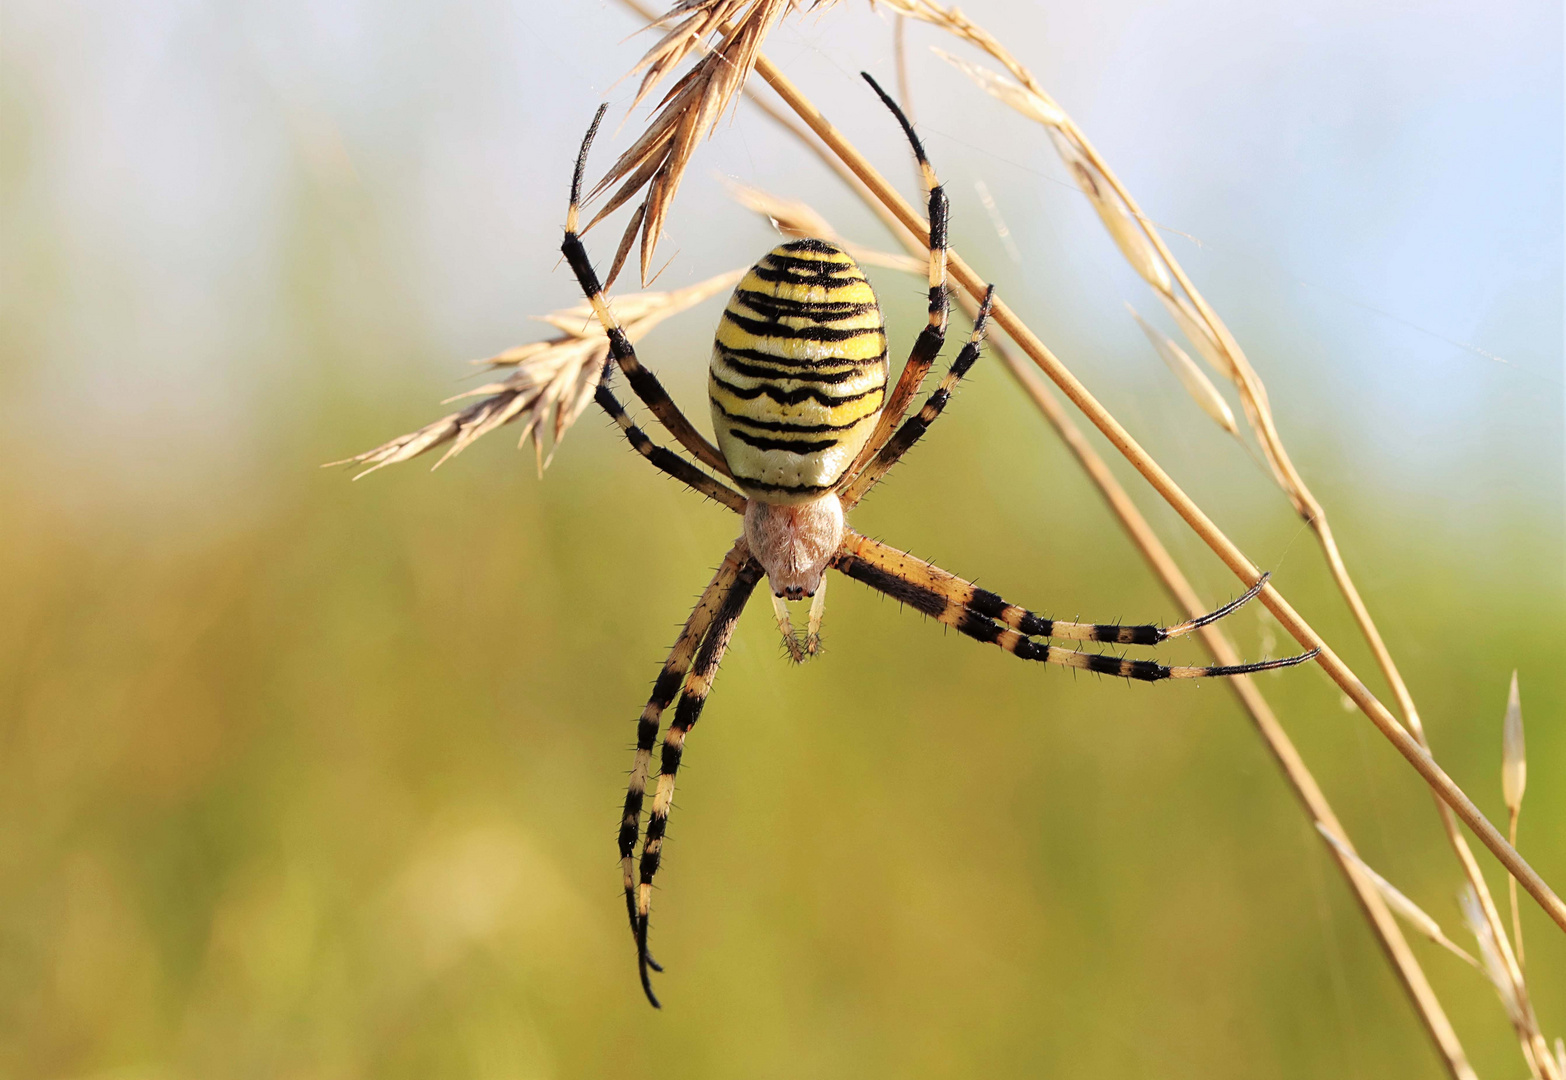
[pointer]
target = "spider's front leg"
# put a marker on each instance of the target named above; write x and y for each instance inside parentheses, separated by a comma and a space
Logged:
(643, 381)
(928, 345)
(984, 616)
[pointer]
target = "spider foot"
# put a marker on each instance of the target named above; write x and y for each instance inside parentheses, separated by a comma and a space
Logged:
(646, 964)
(797, 651)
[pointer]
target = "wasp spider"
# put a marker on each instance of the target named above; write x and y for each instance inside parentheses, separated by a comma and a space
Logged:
(806, 427)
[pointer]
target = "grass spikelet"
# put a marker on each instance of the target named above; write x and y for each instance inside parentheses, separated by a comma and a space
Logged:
(1514, 758)
(1029, 103)
(1490, 953)
(1195, 330)
(550, 383)
(1411, 912)
(1514, 779)
(1193, 378)
(1122, 226)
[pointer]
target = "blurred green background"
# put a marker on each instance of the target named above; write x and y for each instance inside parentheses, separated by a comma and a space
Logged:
(305, 778)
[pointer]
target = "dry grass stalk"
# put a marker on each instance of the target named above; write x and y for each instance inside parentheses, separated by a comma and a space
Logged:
(1197, 321)
(549, 383)
(658, 159)
(1212, 338)
(1411, 750)
(1168, 571)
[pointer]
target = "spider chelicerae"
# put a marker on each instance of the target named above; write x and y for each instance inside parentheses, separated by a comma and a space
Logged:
(805, 427)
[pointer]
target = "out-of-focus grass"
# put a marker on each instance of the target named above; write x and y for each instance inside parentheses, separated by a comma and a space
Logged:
(304, 778)
(328, 788)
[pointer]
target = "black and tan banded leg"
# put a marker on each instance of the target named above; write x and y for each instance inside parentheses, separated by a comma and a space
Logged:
(915, 426)
(662, 457)
(698, 683)
(643, 382)
(667, 685)
(986, 617)
(928, 345)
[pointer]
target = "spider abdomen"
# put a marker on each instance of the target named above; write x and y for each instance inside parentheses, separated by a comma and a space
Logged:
(798, 373)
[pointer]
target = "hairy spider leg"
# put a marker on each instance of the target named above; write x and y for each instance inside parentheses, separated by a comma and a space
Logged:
(985, 617)
(928, 344)
(915, 426)
(670, 679)
(698, 684)
(662, 457)
(643, 381)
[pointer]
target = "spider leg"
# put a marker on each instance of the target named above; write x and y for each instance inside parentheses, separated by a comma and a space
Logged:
(817, 613)
(915, 426)
(986, 617)
(667, 685)
(643, 381)
(786, 626)
(697, 685)
(664, 458)
(928, 345)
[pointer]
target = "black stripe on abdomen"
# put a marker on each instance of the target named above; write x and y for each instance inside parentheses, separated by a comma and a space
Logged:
(815, 332)
(792, 446)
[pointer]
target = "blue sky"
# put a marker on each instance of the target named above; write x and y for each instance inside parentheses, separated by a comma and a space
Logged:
(1370, 193)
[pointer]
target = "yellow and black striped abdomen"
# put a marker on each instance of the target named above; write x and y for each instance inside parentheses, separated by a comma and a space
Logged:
(798, 372)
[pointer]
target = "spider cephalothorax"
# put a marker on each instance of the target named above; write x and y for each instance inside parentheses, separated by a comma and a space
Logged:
(805, 428)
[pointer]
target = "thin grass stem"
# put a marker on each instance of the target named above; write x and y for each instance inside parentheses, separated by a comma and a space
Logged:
(1153, 260)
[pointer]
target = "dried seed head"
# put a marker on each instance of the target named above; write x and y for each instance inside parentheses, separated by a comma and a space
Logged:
(1490, 953)
(1196, 332)
(549, 383)
(1411, 912)
(657, 160)
(1514, 758)
(1193, 378)
(1124, 229)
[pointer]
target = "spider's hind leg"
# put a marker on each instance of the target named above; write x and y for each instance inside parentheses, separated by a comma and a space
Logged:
(668, 684)
(693, 696)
